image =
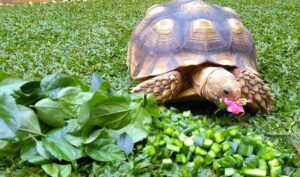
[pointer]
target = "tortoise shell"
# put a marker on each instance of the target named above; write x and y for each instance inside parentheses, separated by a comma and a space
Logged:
(186, 33)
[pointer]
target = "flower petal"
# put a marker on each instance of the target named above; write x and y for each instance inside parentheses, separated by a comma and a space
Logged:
(235, 108)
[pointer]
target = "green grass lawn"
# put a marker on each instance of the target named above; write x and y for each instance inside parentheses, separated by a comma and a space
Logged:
(82, 38)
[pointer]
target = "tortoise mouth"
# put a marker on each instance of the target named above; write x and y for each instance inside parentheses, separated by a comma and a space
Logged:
(233, 106)
(239, 101)
(236, 106)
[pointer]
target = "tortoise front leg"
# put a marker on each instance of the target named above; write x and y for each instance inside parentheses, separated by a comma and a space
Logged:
(164, 87)
(254, 88)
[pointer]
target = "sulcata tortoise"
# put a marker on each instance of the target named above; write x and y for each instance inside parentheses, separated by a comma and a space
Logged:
(187, 49)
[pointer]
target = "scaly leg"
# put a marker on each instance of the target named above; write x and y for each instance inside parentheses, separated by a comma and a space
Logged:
(164, 87)
(254, 88)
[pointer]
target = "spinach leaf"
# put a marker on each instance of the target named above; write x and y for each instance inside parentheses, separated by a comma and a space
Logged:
(8, 149)
(29, 93)
(72, 98)
(104, 149)
(52, 113)
(30, 153)
(56, 170)
(9, 85)
(53, 83)
(125, 143)
(29, 124)
(57, 146)
(9, 116)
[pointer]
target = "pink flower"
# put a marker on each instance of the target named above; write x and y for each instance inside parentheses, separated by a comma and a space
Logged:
(233, 106)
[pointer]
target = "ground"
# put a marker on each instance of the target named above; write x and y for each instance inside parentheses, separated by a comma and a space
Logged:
(79, 38)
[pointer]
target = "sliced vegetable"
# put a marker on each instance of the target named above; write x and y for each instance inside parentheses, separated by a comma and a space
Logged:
(207, 143)
(173, 147)
(229, 171)
(255, 172)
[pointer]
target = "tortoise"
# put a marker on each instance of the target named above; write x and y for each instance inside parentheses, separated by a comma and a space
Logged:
(189, 50)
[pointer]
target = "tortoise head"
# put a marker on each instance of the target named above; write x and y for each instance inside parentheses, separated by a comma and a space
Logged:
(217, 84)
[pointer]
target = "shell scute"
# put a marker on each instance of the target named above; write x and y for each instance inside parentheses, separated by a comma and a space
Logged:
(203, 36)
(196, 7)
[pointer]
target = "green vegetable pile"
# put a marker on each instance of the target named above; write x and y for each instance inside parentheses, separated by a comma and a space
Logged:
(59, 123)
(197, 144)
(59, 119)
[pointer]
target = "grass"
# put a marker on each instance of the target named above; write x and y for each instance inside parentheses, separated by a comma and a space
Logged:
(82, 38)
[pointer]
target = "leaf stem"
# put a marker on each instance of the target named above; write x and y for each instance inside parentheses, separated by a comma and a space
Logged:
(33, 137)
(26, 130)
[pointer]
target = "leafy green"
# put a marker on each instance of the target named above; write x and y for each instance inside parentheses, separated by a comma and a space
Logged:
(72, 98)
(9, 85)
(103, 149)
(57, 146)
(8, 149)
(30, 153)
(52, 112)
(9, 116)
(113, 112)
(56, 170)
(41, 150)
(139, 129)
(28, 123)
(53, 83)
(28, 93)
(125, 143)
(68, 122)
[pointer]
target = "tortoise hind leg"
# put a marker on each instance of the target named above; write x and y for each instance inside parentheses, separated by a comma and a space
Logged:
(254, 88)
(164, 87)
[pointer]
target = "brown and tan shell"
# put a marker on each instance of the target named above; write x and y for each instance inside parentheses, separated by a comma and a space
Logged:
(185, 33)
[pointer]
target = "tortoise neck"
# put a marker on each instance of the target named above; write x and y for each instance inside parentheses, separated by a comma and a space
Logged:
(200, 77)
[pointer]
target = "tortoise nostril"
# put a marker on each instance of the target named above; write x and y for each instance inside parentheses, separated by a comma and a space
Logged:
(226, 92)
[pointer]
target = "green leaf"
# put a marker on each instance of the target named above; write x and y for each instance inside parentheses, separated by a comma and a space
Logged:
(74, 140)
(97, 83)
(102, 138)
(73, 126)
(93, 136)
(56, 170)
(113, 113)
(29, 123)
(8, 149)
(59, 147)
(84, 117)
(41, 150)
(29, 93)
(149, 104)
(125, 143)
(51, 112)
(9, 115)
(140, 116)
(53, 83)
(9, 85)
(104, 149)
(29, 153)
(72, 98)
(140, 126)
(105, 153)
